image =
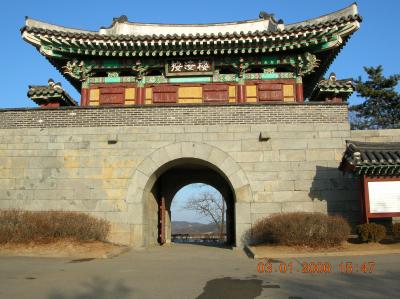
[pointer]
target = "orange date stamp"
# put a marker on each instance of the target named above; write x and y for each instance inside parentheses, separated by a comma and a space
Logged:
(311, 267)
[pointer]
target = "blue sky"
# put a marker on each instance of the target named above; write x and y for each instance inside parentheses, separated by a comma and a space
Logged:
(376, 42)
(179, 213)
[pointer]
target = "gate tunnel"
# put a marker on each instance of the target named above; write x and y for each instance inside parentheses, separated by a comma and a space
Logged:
(173, 176)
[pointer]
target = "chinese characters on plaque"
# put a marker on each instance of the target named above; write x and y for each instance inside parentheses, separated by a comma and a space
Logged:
(189, 67)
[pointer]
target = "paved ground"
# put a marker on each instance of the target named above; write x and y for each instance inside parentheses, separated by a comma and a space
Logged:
(193, 271)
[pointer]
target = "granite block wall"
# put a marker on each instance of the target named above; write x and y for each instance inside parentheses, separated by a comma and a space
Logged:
(100, 160)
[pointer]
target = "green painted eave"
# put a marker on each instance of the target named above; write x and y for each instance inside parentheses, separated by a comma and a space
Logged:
(313, 42)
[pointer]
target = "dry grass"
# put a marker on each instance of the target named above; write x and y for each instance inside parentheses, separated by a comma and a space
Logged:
(301, 229)
(22, 227)
(63, 248)
(371, 232)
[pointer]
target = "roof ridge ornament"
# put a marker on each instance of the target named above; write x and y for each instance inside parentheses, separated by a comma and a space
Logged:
(269, 17)
(55, 85)
(51, 82)
(332, 77)
(120, 19)
(273, 23)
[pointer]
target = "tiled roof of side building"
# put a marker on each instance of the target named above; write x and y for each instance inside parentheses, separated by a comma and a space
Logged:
(344, 88)
(372, 158)
(43, 93)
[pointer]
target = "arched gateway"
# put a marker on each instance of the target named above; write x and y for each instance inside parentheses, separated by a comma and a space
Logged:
(161, 174)
(242, 106)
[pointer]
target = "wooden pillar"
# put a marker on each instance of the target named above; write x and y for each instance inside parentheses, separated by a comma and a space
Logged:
(140, 95)
(241, 93)
(85, 97)
(363, 191)
(365, 201)
(299, 90)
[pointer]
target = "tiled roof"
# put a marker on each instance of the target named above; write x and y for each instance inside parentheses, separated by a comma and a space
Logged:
(343, 88)
(92, 35)
(372, 158)
(129, 35)
(43, 93)
(343, 84)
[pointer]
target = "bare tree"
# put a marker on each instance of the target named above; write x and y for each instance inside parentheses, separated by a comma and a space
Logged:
(210, 205)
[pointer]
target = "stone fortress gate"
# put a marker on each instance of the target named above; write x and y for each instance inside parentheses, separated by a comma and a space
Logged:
(241, 106)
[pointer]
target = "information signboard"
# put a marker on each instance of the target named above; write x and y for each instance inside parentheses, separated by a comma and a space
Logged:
(382, 197)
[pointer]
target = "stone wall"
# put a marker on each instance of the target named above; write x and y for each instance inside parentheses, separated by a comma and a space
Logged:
(392, 135)
(161, 115)
(103, 168)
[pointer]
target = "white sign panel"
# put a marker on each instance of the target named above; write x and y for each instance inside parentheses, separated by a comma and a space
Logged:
(384, 197)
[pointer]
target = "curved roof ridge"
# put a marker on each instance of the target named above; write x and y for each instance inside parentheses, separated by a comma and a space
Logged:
(365, 145)
(33, 23)
(140, 29)
(149, 29)
(121, 26)
(351, 10)
(195, 24)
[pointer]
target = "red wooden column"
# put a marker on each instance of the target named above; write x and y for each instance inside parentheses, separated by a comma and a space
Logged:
(140, 95)
(84, 96)
(363, 190)
(299, 90)
(241, 93)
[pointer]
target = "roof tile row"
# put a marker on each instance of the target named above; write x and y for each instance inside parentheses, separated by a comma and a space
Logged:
(257, 33)
(372, 157)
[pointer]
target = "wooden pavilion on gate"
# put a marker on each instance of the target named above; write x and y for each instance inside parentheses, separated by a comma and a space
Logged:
(378, 167)
(256, 61)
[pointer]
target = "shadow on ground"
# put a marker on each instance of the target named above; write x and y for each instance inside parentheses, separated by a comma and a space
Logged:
(97, 289)
(232, 288)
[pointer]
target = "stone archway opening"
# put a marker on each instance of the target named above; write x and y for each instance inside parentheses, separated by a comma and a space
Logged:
(170, 178)
(198, 215)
